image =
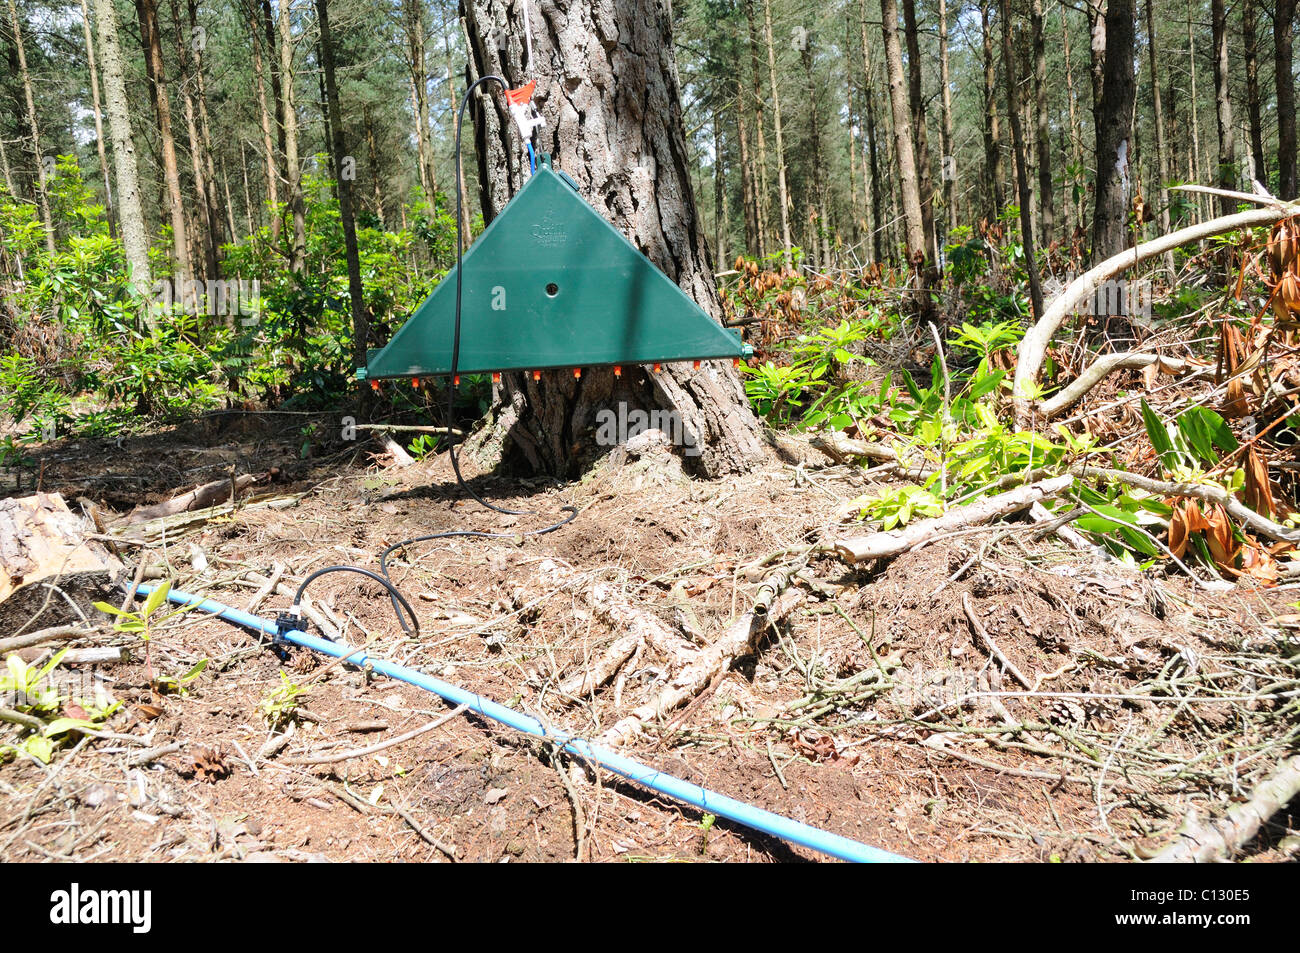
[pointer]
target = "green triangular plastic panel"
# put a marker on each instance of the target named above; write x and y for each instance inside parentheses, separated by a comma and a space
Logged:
(551, 284)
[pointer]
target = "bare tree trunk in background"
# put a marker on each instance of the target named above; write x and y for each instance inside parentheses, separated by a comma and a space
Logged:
(130, 211)
(292, 164)
(264, 116)
(360, 324)
(1096, 10)
(916, 100)
(1113, 119)
(1043, 126)
(42, 191)
(467, 219)
(783, 190)
(878, 223)
(1227, 177)
(1075, 205)
(1250, 40)
(1194, 169)
(818, 224)
(851, 101)
(993, 174)
(1020, 156)
(414, 26)
(97, 105)
(719, 192)
(947, 166)
(762, 192)
(1283, 33)
(372, 150)
(147, 13)
(1162, 149)
(207, 236)
(918, 240)
(748, 192)
(205, 126)
(4, 166)
(614, 123)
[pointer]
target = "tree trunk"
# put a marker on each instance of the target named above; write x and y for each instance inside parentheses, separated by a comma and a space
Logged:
(916, 102)
(207, 238)
(614, 123)
(97, 105)
(1194, 127)
(1250, 40)
(135, 238)
(292, 164)
(1043, 126)
(917, 237)
(761, 189)
(372, 150)
(264, 116)
(748, 192)
(1113, 119)
(1162, 149)
(151, 41)
(360, 325)
(414, 26)
(993, 174)
(205, 130)
(783, 190)
(1283, 27)
(873, 144)
(948, 164)
(1020, 156)
(1076, 129)
(42, 191)
(1227, 176)
(818, 226)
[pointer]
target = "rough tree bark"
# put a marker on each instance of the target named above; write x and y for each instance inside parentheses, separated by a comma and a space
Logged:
(761, 191)
(1020, 156)
(360, 324)
(1043, 128)
(916, 100)
(993, 174)
(1250, 42)
(96, 104)
(947, 165)
(1283, 33)
(289, 126)
(783, 189)
(135, 239)
(917, 245)
(1114, 131)
(42, 191)
(873, 154)
(1227, 177)
(608, 89)
(147, 13)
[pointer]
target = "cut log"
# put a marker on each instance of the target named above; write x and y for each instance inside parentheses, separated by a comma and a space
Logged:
(47, 566)
(885, 545)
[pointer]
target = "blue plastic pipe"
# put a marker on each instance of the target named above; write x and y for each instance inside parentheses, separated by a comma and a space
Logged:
(684, 791)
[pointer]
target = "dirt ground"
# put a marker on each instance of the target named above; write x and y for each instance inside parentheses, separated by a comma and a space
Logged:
(854, 714)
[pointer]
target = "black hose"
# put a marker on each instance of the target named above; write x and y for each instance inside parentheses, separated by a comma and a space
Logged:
(399, 601)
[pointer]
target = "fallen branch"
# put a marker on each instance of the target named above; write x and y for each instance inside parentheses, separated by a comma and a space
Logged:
(1105, 365)
(579, 687)
(886, 544)
(365, 752)
(1217, 839)
(1033, 346)
(218, 491)
(992, 646)
(58, 632)
(735, 641)
(1199, 491)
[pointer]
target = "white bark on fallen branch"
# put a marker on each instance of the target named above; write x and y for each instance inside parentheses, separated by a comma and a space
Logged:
(1217, 839)
(735, 641)
(1033, 346)
(886, 544)
(579, 687)
(645, 626)
(1199, 491)
(1105, 365)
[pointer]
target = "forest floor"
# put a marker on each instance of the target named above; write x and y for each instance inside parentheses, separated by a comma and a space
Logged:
(853, 715)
